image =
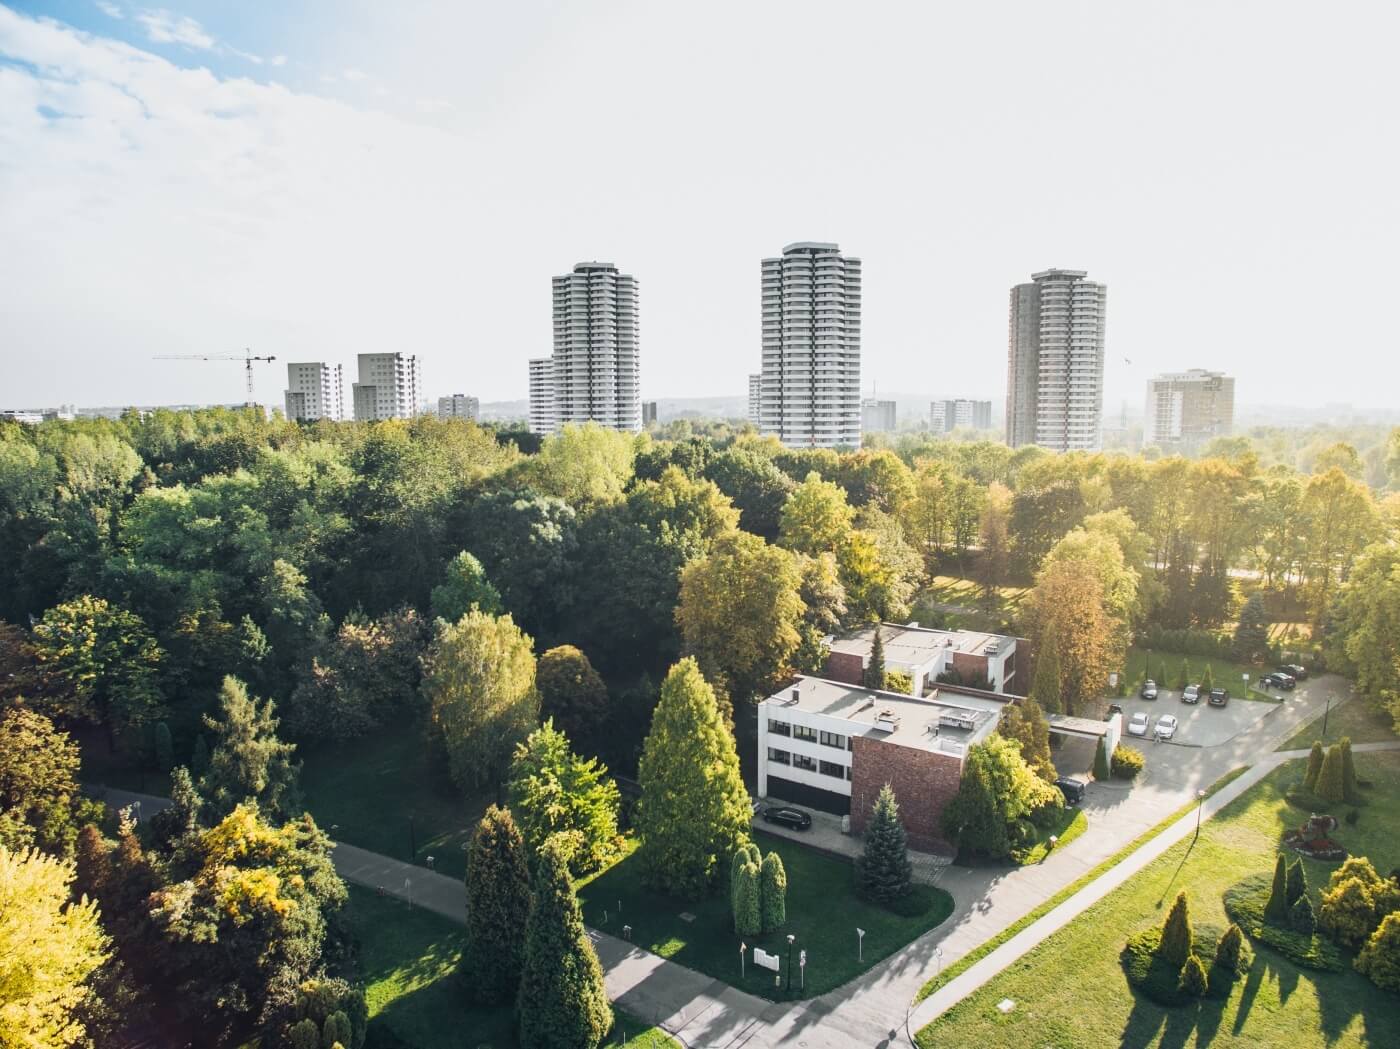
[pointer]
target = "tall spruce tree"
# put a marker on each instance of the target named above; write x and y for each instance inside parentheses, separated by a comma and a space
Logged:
(1207, 681)
(694, 811)
(1252, 631)
(1047, 687)
(1175, 946)
(1184, 678)
(498, 908)
(875, 672)
(883, 873)
(562, 1003)
(1314, 767)
(1276, 910)
(1331, 781)
(249, 762)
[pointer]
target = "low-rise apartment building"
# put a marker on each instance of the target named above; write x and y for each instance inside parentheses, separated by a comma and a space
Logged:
(982, 660)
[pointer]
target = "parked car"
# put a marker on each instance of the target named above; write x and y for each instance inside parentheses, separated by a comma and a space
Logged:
(1113, 708)
(1166, 727)
(1276, 680)
(1072, 789)
(1149, 689)
(1137, 724)
(1219, 697)
(787, 817)
(1295, 671)
(1191, 694)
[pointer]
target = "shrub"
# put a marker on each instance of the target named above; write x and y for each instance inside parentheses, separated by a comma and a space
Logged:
(1297, 883)
(1276, 910)
(304, 1034)
(1160, 980)
(1331, 781)
(1232, 953)
(1175, 945)
(1352, 816)
(1355, 901)
(1350, 792)
(1245, 902)
(1379, 960)
(898, 681)
(1192, 982)
(773, 892)
(1127, 762)
(1300, 915)
(1314, 767)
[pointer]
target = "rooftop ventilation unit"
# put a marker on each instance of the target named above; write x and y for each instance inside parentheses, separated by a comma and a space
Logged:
(965, 720)
(887, 720)
(795, 697)
(993, 647)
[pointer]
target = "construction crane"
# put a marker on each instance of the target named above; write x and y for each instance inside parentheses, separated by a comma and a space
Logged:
(246, 357)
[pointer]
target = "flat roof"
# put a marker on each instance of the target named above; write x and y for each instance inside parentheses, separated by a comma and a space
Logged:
(913, 645)
(1076, 726)
(924, 724)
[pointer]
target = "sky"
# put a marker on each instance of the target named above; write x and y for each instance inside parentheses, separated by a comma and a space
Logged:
(317, 179)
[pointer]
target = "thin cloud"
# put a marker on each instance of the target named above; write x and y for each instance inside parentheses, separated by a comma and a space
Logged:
(355, 75)
(246, 56)
(167, 27)
(277, 60)
(109, 9)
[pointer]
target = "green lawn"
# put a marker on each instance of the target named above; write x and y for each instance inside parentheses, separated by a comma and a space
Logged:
(1070, 825)
(823, 914)
(1353, 718)
(1227, 673)
(369, 788)
(1070, 992)
(409, 960)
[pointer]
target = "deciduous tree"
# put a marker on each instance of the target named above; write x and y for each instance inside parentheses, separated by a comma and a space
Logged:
(1068, 604)
(573, 695)
(816, 517)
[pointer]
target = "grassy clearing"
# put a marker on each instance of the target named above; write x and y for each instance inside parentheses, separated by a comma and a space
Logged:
(409, 960)
(823, 914)
(1354, 718)
(369, 789)
(1071, 824)
(1227, 673)
(974, 956)
(1070, 991)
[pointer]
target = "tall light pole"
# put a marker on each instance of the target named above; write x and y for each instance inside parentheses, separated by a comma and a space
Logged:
(1325, 711)
(1200, 801)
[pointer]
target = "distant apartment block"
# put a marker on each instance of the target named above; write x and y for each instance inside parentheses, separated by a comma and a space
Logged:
(315, 390)
(543, 420)
(1186, 410)
(809, 392)
(459, 406)
(1055, 358)
(876, 416)
(389, 387)
(977, 659)
(755, 397)
(648, 412)
(960, 413)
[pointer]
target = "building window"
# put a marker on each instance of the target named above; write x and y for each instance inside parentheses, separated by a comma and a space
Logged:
(803, 732)
(782, 757)
(848, 772)
(831, 739)
(830, 768)
(779, 728)
(802, 761)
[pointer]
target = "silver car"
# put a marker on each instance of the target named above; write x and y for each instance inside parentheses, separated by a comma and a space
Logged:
(1166, 727)
(1137, 724)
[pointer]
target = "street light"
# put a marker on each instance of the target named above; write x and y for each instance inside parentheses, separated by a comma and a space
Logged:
(860, 944)
(1200, 801)
(791, 938)
(938, 953)
(1326, 710)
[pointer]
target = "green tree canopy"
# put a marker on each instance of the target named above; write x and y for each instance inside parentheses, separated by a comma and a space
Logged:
(554, 792)
(883, 873)
(464, 588)
(248, 762)
(573, 695)
(40, 803)
(816, 517)
(498, 906)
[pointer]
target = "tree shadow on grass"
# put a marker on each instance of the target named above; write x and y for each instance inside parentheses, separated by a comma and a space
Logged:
(1253, 980)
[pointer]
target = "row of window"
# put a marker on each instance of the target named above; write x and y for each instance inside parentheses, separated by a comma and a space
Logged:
(811, 735)
(802, 761)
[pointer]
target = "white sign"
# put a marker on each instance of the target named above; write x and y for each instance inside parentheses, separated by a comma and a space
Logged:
(764, 960)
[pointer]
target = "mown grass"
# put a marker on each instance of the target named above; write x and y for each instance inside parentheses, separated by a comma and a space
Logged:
(1071, 992)
(1069, 826)
(1225, 672)
(1354, 718)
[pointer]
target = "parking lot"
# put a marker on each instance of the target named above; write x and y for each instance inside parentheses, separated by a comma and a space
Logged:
(1201, 725)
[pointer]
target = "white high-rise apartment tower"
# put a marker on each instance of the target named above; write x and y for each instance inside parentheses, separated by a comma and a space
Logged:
(1054, 382)
(809, 394)
(597, 372)
(755, 397)
(542, 418)
(315, 390)
(389, 387)
(459, 406)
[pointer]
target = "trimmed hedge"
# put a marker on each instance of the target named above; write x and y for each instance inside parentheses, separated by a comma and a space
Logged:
(1245, 902)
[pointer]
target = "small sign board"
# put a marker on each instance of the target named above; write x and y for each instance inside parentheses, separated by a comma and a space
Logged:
(764, 960)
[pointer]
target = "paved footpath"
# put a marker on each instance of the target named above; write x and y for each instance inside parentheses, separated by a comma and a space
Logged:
(874, 1009)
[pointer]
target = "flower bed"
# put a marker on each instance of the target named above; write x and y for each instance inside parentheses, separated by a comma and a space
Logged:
(1313, 839)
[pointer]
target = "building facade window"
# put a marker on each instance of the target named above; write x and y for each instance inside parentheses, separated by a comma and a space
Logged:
(779, 728)
(802, 761)
(832, 739)
(830, 768)
(782, 757)
(803, 732)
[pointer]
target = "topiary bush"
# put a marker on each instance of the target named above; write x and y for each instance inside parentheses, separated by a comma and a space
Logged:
(773, 892)
(1192, 982)
(1355, 901)
(1160, 980)
(1245, 902)
(1175, 944)
(1233, 958)
(1127, 762)
(1379, 960)
(1300, 916)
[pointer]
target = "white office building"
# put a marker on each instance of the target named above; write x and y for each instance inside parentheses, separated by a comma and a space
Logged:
(459, 406)
(877, 416)
(1055, 358)
(1186, 410)
(596, 369)
(389, 387)
(755, 397)
(542, 415)
(959, 413)
(315, 390)
(809, 393)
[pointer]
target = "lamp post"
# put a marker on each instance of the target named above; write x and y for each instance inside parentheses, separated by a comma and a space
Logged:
(938, 972)
(791, 938)
(742, 948)
(860, 944)
(1200, 801)
(1325, 711)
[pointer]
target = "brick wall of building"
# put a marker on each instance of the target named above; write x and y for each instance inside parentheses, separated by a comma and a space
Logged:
(970, 665)
(923, 783)
(844, 666)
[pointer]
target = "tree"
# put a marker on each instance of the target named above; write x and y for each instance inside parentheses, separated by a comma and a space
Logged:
(1101, 770)
(1192, 982)
(875, 672)
(1331, 780)
(108, 659)
(1379, 960)
(1300, 915)
(884, 873)
(1047, 687)
(1351, 793)
(1355, 901)
(994, 535)
(563, 1003)
(573, 695)
(973, 818)
(773, 892)
(1276, 910)
(1229, 952)
(746, 900)
(249, 762)
(1296, 883)
(1314, 767)
(878, 569)
(816, 518)
(1339, 519)
(480, 680)
(694, 811)
(585, 465)
(1207, 681)
(51, 947)
(746, 853)
(498, 906)
(1024, 722)
(757, 488)
(464, 588)
(40, 802)
(1184, 678)
(1097, 552)
(1068, 603)
(554, 792)
(164, 747)
(1175, 945)
(1252, 631)
(740, 613)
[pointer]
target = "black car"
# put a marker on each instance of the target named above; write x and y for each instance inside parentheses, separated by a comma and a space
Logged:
(788, 817)
(1294, 671)
(1072, 789)
(1277, 680)
(1219, 697)
(1113, 708)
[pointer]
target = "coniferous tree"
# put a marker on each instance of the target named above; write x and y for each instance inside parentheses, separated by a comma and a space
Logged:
(1184, 678)
(164, 747)
(1175, 946)
(562, 1003)
(92, 861)
(973, 819)
(552, 790)
(748, 906)
(498, 907)
(883, 873)
(773, 892)
(1301, 917)
(249, 762)
(1229, 952)
(1101, 769)
(1351, 794)
(199, 757)
(746, 853)
(1331, 781)
(1314, 767)
(1296, 883)
(1207, 681)
(1048, 684)
(1025, 722)
(1276, 910)
(1252, 631)
(875, 672)
(1192, 982)
(694, 811)
(176, 823)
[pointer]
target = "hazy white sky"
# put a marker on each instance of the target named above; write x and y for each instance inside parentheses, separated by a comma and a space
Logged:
(320, 179)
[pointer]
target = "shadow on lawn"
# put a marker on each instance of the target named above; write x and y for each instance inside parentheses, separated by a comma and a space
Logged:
(1175, 1026)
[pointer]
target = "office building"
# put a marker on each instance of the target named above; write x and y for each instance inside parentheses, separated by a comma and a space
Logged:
(389, 387)
(1055, 356)
(755, 397)
(542, 416)
(1185, 410)
(809, 393)
(876, 416)
(596, 369)
(648, 412)
(459, 406)
(315, 390)
(960, 413)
